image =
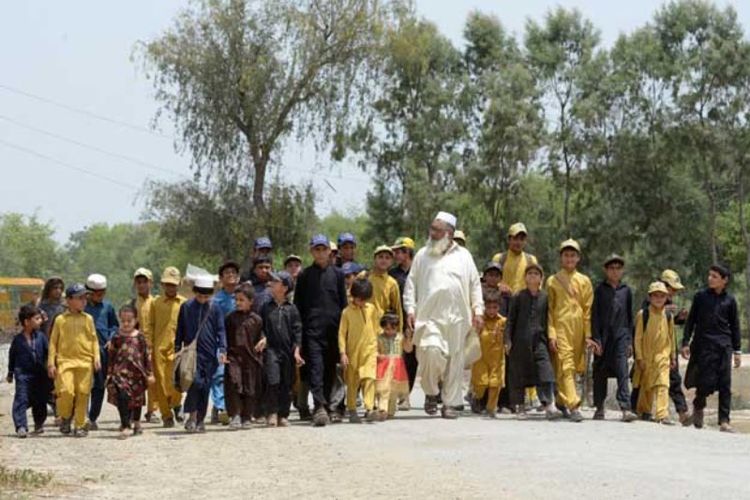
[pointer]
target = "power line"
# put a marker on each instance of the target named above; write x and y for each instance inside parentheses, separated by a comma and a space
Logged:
(68, 165)
(91, 147)
(73, 109)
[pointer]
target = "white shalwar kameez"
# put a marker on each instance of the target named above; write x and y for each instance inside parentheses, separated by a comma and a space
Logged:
(442, 292)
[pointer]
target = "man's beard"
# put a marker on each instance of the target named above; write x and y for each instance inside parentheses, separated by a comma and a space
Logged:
(438, 247)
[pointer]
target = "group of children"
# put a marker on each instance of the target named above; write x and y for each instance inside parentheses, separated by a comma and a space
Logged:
(337, 331)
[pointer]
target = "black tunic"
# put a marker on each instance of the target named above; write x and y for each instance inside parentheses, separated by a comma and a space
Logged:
(612, 324)
(526, 329)
(320, 296)
(283, 330)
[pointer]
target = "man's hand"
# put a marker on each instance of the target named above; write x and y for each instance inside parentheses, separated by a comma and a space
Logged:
(344, 360)
(593, 345)
(297, 357)
(737, 360)
(52, 372)
(477, 322)
(261, 345)
(9, 378)
(410, 321)
(553, 346)
(685, 352)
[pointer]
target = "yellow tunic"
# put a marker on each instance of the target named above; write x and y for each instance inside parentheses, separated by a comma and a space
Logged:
(143, 306)
(655, 348)
(162, 326)
(569, 318)
(358, 338)
(514, 269)
(489, 370)
(73, 343)
(386, 296)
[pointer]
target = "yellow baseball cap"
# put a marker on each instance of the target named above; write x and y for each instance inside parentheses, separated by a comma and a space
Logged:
(404, 242)
(381, 249)
(570, 243)
(658, 286)
(672, 279)
(516, 229)
(142, 271)
(459, 235)
(171, 276)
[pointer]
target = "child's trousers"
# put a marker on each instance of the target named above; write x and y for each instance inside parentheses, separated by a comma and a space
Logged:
(127, 414)
(31, 391)
(658, 396)
(73, 384)
(493, 394)
(353, 383)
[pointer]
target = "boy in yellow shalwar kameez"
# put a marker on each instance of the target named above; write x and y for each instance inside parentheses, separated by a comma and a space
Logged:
(73, 357)
(358, 345)
(654, 354)
(488, 372)
(386, 295)
(569, 299)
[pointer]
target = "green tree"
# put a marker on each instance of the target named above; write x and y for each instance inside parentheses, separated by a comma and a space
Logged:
(28, 249)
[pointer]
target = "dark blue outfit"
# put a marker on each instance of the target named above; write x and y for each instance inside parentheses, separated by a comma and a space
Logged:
(282, 328)
(212, 340)
(262, 294)
(105, 321)
(226, 303)
(27, 362)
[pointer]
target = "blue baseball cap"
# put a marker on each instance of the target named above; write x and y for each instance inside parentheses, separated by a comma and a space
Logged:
(283, 277)
(346, 238)
(351, 268)
(320, 240)
(75, 290)
(263, 242)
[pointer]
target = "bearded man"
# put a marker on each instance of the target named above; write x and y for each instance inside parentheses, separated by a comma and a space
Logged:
(443, 300)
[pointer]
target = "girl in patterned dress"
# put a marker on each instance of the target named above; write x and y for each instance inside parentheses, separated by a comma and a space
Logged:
(392, 379)
(129, 372)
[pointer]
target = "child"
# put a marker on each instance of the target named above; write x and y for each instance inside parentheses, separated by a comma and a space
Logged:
(283, 335)
(654, 354)
(73, 357)
(569, 298)
(129, 372)
(488, 373)
(714, 320)
(243, 377)
(386, 295)
(612, 330)
(202, 321)
(526, 343)
(26, 364)
(358, 345)
(351, 270)
(392, 379)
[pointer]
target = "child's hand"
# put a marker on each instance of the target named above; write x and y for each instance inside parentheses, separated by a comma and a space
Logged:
(344, 360)
(151, 380)
(553, 345)
(685, 352)
(97, 365)
(508, 347)
(223, 359)
(737, 360)
(52, 372)
(297, 358)
(261, 345)
(9, 378)
(672, 363)
(641, 365)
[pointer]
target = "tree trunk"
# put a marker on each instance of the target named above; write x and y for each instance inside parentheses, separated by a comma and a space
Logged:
(258, 185)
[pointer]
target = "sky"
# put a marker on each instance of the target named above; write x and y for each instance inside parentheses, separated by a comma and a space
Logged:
(76, 142)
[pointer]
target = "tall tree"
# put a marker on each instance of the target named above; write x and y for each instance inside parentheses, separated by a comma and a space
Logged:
(237, 77)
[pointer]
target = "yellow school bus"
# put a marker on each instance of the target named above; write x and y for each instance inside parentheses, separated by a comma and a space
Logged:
(14, 292)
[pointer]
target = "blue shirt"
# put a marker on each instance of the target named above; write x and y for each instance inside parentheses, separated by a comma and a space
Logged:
(28, 359)
(225, 301)
(105, 320)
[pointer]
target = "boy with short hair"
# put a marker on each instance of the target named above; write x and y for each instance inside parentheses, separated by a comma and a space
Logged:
(654, 354)
(711, 341)
(73, 358)
(488, 372)
(386, 295)
(229, 273)
(142, 282)
(27, 361)
(358, 344)
(570, 296)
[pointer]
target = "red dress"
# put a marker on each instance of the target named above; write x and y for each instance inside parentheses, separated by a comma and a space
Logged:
(128, 370)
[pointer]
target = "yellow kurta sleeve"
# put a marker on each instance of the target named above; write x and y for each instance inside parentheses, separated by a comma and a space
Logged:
(94, 342)
(587, 300)
(343, 330)
(396, 303)
(673, 339)
(150, 331)
(552, 300)
(54, 339)
(639, 336)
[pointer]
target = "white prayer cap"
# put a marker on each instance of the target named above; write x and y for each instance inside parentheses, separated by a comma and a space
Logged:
(96, 282)
(206, 282)
(447, 218)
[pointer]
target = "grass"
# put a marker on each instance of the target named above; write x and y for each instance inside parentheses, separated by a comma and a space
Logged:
(23, 479)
